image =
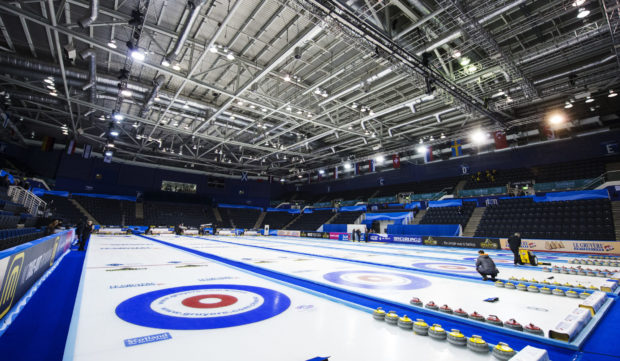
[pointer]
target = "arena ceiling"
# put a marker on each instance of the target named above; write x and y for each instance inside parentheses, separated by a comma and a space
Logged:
(277, 87)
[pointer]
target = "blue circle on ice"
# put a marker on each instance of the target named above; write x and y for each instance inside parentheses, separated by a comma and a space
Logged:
(377, 280)
(202, 307)
(446, 267)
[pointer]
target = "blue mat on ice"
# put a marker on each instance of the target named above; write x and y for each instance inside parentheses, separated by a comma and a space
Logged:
(40, 331)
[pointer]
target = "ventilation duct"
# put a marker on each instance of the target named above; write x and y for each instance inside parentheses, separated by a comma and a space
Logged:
(94, 12)
(157, 83)
(92, 78)
(194, 6)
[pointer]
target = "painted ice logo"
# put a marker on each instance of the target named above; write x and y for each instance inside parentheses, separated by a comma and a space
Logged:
(203, 307)
(10, 283)
(377, 280)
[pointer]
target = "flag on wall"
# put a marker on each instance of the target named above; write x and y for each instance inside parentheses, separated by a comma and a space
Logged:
(547, 132)
(336, 172)
(71, 147)
(371, 165)
(107, 159)
(47, 145)
(396, 161)
(244, 176)
(500, 139)
(318, 176)
(457, 148)
(356, 169)
(428, 155)
(87, 150)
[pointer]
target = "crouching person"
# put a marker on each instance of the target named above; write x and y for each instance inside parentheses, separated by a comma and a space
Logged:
(485, 266)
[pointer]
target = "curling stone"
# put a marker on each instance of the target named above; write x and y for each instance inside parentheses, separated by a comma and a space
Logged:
(509, 285)
(499, 284)
(582, 273)
(573, 272)
(521, 287)
(584, 295)
(532, 288)
(557, 292)
(445, 309)
(556, 283)
(534, 280)
(437, 332)
(405, 323)
(416, 302)
(477, 344)
(601, 274)
(456, 338)
(545, 282)
(567, 284)
(590, 263)
(513, 325)
(391, 318)
(523, 279)
(579, 285)
(431, 306)
(605, 263)
(503, 352)
(379, 314)
(582, 261)
(591, 274)
(461, 313)
(597, 263)
(476, 316)
(555, 269)
(420, 327)
(513, 278)
(533, 329)
(565, 270)
(546, 269)
(593, 288)
(494, 320)
(572, 294)
(545, 290)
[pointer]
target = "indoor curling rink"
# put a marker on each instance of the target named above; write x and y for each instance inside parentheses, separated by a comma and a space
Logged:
(287, 298)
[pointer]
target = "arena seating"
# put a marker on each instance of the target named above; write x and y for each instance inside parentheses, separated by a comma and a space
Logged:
(108, 212)
(583, 169)
(497, 178)
(243, 218)
(8, 221)
(581, 219)
(431, 186)
(170, 214)
(225, 218)
(61, 207)
(277, 220)
(13, 237)
(346, 217)
(449, 215)
(311, 221)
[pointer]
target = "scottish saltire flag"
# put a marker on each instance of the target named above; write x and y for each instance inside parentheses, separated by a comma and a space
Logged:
(336, 172)
(356, 170)
(457, 148)
(371, 165)
(107, 159)
(87, 150)
(244, 176)
(428, 155)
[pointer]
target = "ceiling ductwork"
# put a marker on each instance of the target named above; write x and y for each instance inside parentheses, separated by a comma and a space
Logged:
(157, 84)
(194, 7)
(92, 78)
(94, 12)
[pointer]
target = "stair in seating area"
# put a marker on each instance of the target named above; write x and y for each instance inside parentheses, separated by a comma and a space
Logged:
(84, 211)
(139, 210)
(232, 221)
(615, 210)
(474, 221)
(418, 217)
(292, 221)
(218, 216)
(459, 187)
(329, 221)
(260, 219)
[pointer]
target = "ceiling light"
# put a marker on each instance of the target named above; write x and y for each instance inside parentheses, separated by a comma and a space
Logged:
(110, 145)
(371, 112)
(232, 117)
(478, 136)
(443, 136)
(354, 105)
(428, 97)
(288, 108)
(472, 69)
(112, 44)
(49, 81)
(568, 105)
(213, 49)
(287, 77)
(135, 125)
(138, 55)
(108, 153)
(165, 63)
(363, 109)
(589, 99)
(157, 98)
(456, 54)
(239, 102)
(118, 116)
(421, 149)
(264, 109)
(583, 12)
(114, 133)
(230, 56)
(379, 159)
(185, 106)
(612, 93)
(126, 93)
(321, 171)
(317, 91)
(176, 67)
(465, 61)
(347, 166)
(299, 112)
(53, 93)
(556, 118)
(51, 87)
(282, 180)
(309, 115)
(252, 106)
(578, 2)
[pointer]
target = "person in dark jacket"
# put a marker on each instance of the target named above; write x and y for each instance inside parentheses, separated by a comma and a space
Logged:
(485, 266)
(514, 242)
(87, 229)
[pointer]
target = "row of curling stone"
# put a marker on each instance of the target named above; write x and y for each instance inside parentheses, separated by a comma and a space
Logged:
(555, 283)
(544, 290)
(578, 271)
(592, 256)
(492, 319)
(474, 343)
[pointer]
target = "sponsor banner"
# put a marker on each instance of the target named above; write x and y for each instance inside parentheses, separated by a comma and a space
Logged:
(391, 238)
(464, 242)
(286, 233)
(251, 233)
(339, 236)
(22, 266)
(314, 234)
(542, 245)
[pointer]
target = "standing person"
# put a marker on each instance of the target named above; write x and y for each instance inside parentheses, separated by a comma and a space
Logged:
(366, 235)
(485, 266)
(87, 229)
(514, 242)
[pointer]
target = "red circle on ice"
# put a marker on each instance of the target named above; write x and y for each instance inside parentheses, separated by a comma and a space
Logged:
(224, 300)
(374, 278)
